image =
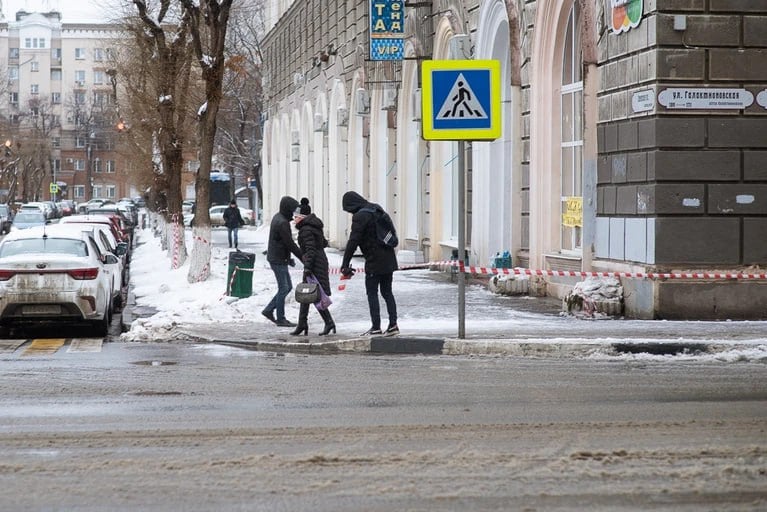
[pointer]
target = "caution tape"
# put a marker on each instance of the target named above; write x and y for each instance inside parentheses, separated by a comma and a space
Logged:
(468, 269)
(629, 275)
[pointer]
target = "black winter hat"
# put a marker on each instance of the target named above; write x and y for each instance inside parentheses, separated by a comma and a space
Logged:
(304, 208)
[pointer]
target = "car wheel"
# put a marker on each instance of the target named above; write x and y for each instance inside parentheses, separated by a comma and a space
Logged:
(101, 327)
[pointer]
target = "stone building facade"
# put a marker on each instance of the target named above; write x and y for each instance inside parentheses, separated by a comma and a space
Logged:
(633, 138)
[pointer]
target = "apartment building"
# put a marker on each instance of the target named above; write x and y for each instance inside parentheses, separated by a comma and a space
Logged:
(60, 103)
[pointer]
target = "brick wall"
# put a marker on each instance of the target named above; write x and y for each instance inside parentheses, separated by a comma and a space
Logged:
(684, 187)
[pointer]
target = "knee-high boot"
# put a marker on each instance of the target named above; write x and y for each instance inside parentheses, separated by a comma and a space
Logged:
(330, 325)
(303, 321)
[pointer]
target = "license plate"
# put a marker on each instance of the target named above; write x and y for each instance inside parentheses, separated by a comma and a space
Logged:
(41, 310)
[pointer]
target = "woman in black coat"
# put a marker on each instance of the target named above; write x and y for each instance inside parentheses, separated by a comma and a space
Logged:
(311, 241)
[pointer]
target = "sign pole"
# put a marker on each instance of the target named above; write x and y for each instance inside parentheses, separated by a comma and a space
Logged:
(461, 239)
(461, 101)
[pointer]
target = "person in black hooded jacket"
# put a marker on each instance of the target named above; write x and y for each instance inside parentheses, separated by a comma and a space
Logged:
(380, 261)
(278, 252)
(311, 240)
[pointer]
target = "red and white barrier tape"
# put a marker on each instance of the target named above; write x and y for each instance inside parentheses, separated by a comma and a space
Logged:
(570, 273)
(559, 273)
(629, 275)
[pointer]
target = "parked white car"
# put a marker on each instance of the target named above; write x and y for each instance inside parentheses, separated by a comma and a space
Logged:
(217, 216)
(48, 277)
(107, 245)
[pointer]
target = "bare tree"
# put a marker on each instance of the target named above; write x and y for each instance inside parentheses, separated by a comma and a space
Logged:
(239, 134)
(34, 165)
(209, 20)
(166, 32)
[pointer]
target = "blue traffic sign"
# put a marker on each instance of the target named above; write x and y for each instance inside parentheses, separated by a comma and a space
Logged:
(461, 100)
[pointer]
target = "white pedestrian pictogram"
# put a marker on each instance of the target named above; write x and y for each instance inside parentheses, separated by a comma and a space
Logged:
(461, 102)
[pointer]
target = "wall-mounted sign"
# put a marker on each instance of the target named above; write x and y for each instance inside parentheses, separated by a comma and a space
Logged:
(387, 29)
(705, 98)
(761, 98)
(573, 213)
(643, 101)
(625, 14)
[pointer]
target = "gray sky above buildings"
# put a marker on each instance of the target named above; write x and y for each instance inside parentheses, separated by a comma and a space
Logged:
(71, 10)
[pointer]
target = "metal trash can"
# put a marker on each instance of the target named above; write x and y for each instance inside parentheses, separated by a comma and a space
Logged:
(242, 284)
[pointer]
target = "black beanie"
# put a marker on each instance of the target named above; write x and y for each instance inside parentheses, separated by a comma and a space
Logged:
(304, 208)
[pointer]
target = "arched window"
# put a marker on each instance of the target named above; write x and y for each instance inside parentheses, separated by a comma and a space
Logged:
(572, 132)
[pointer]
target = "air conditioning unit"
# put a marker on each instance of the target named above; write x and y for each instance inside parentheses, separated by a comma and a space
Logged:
(320, 125)
(298, 79)
(295, 137)
(362, 102)
(416, 106)
(389, 99)
(79, 83)
(69, 161)
(343, 116)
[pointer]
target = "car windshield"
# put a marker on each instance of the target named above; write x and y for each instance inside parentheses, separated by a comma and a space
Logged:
(29, 217)
(43, 245)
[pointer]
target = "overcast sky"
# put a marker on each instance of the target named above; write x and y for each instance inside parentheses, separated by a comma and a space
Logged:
(71, 10)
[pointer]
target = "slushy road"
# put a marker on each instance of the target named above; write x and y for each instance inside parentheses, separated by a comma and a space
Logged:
(208, 427)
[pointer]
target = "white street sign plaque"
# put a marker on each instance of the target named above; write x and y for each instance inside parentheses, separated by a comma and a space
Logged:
(704, 98)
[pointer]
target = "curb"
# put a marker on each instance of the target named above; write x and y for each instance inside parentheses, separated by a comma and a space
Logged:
(541, 348)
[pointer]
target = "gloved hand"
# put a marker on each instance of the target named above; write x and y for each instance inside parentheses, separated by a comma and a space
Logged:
(307, 273)
(292, 262)
(347, 272)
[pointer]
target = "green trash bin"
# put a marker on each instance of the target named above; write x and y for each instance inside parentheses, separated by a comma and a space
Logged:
(242, 284)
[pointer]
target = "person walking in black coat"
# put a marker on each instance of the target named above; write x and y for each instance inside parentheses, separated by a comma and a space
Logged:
(233, 221)
(311, 240)
(380, 261)
(278, 252)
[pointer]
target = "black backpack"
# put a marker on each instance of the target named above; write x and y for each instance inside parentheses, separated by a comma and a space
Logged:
(385, 232)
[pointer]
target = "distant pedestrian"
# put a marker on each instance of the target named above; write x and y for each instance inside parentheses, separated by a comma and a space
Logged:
(233, 222)
(380, 261)
(311, 240)
(278, 252)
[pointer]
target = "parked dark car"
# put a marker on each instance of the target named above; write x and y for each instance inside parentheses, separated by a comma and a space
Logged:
(6, 219)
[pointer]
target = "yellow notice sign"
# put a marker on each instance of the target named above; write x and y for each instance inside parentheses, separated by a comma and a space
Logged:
(573, 214)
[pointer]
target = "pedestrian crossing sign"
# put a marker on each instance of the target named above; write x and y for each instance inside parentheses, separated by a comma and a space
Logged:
(461, 99)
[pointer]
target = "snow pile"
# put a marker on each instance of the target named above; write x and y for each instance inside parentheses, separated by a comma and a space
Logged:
(595, 297)
(179, 302)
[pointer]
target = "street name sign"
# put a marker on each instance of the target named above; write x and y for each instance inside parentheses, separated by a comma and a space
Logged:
(461, 99)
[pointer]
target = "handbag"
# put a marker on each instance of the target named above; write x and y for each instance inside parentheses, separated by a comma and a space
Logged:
(307, 293)
(324, 301)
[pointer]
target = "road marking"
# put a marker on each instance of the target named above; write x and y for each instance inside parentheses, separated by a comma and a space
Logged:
(85, 345)
(10, 346)
(43, 347)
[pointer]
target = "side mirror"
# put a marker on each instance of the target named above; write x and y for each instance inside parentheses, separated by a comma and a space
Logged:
(122, 248)
(109, 259)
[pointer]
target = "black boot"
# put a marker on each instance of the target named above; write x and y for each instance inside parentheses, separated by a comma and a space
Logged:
(329, 324)
(303, 324)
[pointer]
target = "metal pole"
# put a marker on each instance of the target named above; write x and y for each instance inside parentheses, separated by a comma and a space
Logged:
(461, 239)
